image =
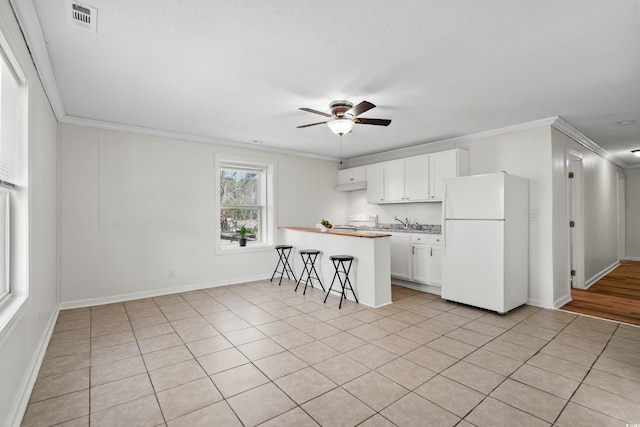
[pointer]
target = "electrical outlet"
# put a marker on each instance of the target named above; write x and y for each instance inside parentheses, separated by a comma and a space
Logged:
(172, 273)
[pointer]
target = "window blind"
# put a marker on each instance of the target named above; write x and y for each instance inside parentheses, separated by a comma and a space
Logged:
(13, 110)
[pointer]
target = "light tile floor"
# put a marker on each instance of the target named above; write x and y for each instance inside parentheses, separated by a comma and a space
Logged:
(260, 354)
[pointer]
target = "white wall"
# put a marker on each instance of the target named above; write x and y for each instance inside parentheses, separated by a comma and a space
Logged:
(134, 207)
(19, 356)
(632, 182)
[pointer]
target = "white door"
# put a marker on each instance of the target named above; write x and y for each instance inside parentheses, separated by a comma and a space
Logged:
(473, 263)
(576, 221)
(475, 197)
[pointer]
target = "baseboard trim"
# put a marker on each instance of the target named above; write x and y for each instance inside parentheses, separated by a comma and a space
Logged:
(29, 381)
(631, 258)
(562, 301)
(429, 289)
(539, 303)
(600, 275)
(157, 292)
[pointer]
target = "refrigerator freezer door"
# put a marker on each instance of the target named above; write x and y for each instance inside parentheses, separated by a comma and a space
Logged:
(473, 265)
(475, 197)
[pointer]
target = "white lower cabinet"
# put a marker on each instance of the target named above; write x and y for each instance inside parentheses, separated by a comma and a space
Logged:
(435, 270)
(421, 263)
(417, 257)
(400, 255)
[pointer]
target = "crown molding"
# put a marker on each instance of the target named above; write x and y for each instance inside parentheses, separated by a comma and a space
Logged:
(573, 133)
(99, 124)
(475, 136)
(32, 31)
(556, 122)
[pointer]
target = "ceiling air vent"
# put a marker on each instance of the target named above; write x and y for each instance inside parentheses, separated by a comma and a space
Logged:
(81, 15)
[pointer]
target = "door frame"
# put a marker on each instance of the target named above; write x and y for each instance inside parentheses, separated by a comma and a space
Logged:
(621, 183)
(575, 212)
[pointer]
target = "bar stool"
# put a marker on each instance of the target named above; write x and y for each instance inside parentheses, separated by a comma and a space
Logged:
(283, 258)
(309, 259)
(344, 262)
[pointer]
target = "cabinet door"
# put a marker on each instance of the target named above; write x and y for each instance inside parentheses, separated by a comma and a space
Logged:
(400, 255)
(416, 172)
(421, 256)
(435, 267)
(394, 181)
(441, 165)
(347, 176)
(375, 183)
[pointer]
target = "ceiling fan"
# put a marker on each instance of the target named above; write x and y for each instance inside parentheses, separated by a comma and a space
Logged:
(344, 116)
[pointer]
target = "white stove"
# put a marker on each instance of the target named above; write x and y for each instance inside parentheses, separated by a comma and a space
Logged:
(356, 221)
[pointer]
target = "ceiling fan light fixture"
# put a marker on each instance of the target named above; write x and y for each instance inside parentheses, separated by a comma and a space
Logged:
(636, 152)
(341, 126)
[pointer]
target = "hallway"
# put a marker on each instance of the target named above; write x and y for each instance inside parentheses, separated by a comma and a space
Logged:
(616, 296)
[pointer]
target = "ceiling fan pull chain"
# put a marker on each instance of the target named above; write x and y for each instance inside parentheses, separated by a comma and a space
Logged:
(340, 148)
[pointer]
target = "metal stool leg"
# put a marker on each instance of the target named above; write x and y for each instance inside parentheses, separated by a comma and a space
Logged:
(308, 267)
(340, 267)
(314, 271)
(304, 270)
(332, 280)
(283, 258)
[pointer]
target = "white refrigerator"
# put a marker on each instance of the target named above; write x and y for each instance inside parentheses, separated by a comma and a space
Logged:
(486, 243)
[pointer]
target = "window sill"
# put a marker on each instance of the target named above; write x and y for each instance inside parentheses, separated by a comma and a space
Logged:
(237, 249)
(11, 312)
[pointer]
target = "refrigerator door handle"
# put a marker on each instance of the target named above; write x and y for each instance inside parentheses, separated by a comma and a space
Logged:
(444, 220)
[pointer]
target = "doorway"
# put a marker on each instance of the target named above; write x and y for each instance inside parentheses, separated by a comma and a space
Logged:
(575, 186)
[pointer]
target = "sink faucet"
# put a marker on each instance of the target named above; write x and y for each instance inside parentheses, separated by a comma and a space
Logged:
(405, 223)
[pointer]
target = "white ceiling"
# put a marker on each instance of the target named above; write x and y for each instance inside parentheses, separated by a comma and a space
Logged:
(238, 70)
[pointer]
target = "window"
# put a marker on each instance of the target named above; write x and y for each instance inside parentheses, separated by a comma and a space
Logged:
(246, 199)
(13, 192)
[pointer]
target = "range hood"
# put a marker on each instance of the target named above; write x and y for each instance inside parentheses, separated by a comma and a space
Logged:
(351, 186)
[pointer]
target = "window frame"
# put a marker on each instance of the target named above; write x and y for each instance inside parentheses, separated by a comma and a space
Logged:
(13, 305)
(267, 202)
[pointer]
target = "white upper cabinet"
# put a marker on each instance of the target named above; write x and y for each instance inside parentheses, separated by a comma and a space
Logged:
(414, 179)
(351, 175)
(446, 164)
(394, 181)
(375, 183)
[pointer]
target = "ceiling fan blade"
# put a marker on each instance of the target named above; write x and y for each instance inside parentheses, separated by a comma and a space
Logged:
(379, 122)
(311, 124)
(361, 108)
(311, 110)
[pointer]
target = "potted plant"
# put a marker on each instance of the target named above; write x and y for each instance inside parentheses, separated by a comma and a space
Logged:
(242, 232)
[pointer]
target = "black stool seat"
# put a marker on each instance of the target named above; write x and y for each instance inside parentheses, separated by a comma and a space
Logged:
(309, 259)
(283, 259)
(341, 257)
(342, 265)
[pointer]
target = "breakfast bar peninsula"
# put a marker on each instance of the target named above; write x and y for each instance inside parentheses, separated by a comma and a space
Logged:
(371, 270)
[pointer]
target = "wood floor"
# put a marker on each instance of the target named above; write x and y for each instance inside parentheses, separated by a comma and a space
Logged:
(616, 296)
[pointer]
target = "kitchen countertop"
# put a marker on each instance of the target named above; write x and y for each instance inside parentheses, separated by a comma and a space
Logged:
(363, 233)
(392, 228)
(402, 230)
